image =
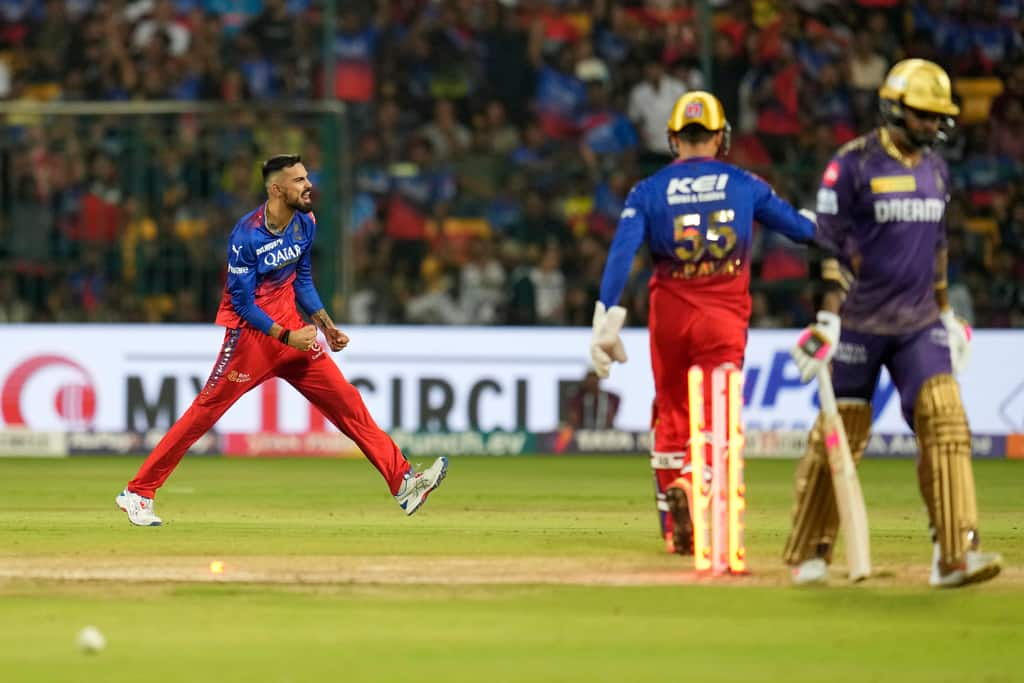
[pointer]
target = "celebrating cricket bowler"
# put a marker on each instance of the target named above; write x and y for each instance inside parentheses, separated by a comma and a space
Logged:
(269, 269)
(880, 214)
(696, 216)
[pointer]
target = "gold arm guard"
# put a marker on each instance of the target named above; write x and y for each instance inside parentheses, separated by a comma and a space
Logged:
(815, 514)
(944, 470)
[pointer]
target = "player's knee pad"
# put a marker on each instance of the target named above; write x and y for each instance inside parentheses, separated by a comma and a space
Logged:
(944, 467)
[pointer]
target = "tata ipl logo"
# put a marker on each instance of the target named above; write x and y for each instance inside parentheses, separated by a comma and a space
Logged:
(48, 382)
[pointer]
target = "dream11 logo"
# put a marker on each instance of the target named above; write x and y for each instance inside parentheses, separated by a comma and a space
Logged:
(51, 391)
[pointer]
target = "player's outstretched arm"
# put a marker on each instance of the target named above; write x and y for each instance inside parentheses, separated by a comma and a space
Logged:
(778, 215)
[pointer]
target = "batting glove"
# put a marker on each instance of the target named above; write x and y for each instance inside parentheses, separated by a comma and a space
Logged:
(959, 333)
(816, 345)
(605, 342)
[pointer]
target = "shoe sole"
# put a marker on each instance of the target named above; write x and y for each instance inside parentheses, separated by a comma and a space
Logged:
(986, 573)
(437, 484)
(682, 525)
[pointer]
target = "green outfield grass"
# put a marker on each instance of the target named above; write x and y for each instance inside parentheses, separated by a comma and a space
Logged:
(498, 578)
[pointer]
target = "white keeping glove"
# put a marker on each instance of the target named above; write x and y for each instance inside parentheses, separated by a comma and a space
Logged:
(605, 343)
(959, 333)
(816, 345)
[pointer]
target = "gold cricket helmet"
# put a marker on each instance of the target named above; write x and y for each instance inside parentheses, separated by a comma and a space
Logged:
(699, 108)
(919, 84)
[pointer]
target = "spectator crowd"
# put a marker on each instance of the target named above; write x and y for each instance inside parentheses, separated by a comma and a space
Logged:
(490, 144)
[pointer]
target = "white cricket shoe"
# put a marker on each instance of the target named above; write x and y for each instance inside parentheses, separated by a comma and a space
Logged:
(810, 571)
(977, 567)
(139, 509)
(417, 486)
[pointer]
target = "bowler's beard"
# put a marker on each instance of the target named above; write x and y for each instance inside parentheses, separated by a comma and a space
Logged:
(300, 204)
(910, 141)
(921, 139)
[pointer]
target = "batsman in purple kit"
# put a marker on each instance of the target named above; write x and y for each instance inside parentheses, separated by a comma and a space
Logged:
(881, 209)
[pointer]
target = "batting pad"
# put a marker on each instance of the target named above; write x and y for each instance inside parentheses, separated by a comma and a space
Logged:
(944, 470)
(815, 513)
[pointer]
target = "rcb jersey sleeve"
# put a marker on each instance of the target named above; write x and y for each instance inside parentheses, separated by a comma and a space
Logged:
(241, 283)
(305, 290)
(629, 235)
(779, 216)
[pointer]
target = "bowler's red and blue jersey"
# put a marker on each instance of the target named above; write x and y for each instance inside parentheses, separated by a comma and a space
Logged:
(268, 273)
(697, 216)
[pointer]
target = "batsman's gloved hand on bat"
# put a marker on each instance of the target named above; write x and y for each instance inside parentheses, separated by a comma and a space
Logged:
(816, 345)
(605, 342)
(959, 333)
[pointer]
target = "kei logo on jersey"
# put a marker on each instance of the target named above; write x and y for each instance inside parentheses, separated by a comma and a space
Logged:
(705, 188)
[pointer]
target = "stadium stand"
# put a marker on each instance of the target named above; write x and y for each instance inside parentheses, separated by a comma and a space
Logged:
(490, 143)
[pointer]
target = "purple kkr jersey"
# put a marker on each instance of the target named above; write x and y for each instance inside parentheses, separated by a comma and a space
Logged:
(884, 222)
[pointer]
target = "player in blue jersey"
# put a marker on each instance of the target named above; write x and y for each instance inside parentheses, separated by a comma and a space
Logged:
(881, 209)
(269, 270)
(696, 216)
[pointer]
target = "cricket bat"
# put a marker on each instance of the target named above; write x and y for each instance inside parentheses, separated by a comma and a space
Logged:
(853, 516)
